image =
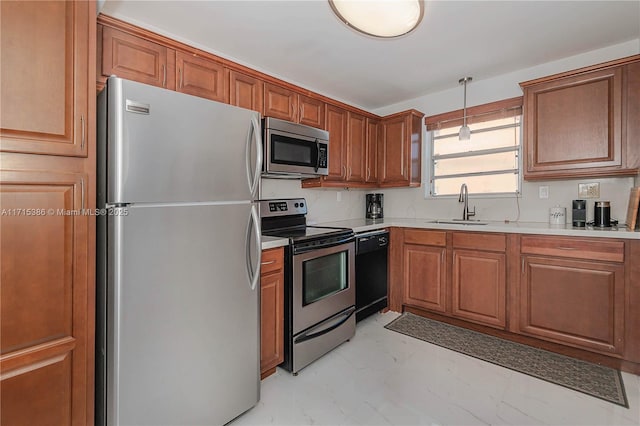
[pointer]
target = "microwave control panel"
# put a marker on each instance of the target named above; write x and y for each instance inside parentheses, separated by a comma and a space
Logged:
(322, 160)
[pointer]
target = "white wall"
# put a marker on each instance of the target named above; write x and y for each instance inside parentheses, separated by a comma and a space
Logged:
(412, 203)
(324, 205)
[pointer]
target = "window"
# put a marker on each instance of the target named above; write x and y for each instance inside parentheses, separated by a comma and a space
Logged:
(488, 162)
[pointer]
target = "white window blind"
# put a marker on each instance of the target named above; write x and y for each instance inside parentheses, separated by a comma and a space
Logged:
(488, 162)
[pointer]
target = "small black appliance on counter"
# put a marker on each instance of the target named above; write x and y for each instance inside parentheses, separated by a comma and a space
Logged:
(374, 208)
(602, 214)
(579, 216)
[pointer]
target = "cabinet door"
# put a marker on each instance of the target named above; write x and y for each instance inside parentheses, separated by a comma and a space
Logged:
(44, 299)
(311, 112)
(393, 151)
(573, 125)
(45, 67)
(478, 287)
(337, 127)
(201, 77)
(136, 59)
(577, 302)
(425, 277)
(371, 155)
(271, 310)
(631, 117)
(245, 91)
(356, 147)
(271, 321)
(280, 102)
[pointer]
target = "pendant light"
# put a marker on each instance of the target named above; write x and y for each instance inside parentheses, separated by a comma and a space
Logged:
(380, 18)
(465, 132)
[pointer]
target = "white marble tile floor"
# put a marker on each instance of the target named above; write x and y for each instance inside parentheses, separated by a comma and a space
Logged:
(382, 377)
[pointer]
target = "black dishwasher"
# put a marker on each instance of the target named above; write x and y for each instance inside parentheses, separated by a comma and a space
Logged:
(371, 272)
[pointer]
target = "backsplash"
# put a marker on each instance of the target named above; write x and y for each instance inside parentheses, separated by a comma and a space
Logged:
(322, 204)
(411, 203)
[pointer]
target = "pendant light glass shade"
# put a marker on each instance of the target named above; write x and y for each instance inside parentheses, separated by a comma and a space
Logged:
(380, 18)
(465, 132)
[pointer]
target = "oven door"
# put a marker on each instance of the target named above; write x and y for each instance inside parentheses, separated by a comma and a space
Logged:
(323, 284)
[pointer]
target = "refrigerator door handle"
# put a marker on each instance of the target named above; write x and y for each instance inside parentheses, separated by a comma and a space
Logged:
(253, 227)
(254, 180)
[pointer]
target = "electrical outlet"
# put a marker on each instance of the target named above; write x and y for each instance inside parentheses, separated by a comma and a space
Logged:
(543, 191)
(339, 196)
(589, 190)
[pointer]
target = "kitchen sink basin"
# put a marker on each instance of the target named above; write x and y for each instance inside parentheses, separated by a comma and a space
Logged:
(458, 222)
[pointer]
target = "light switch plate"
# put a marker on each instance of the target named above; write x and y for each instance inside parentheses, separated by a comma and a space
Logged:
(543, 191)
(589, 190)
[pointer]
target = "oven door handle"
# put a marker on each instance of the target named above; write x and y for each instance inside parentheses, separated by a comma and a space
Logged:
(330, 326)
(303, 248)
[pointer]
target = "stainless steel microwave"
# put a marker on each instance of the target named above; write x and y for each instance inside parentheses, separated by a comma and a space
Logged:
(294, 150)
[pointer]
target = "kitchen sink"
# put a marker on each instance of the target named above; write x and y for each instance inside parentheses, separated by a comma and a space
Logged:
(458, 222)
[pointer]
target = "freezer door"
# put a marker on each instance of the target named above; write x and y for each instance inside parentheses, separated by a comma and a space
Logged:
(165, 146)
(183, 327)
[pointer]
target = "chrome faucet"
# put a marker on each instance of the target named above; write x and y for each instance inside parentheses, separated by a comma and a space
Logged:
(464, 198)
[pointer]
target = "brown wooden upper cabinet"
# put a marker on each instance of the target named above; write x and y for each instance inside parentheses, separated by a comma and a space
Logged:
(280, 102)
(137, 59)
(201, 77)
(371, 152)
(287, 104)
(311, 112)
(356, 148)
(399, 149)
(337, 125)
(246, 91)
(573, 123)
(45, 91)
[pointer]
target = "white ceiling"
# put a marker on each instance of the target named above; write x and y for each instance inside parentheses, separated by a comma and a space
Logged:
(304, 43)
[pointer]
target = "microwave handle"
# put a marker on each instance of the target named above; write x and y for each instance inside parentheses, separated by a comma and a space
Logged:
(317, 155)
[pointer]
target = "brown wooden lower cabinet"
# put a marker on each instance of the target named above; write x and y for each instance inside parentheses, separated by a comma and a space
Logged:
(572, 295)
(425, 277)
(577, 302)
(478, 285)
(271, 311)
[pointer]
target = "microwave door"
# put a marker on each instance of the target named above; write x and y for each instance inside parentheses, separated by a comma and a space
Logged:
(294, 154)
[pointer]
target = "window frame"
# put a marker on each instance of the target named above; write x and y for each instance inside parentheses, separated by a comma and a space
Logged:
(481, 113)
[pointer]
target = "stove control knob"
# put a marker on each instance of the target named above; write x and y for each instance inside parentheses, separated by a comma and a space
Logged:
(296, 205)
(301, 204)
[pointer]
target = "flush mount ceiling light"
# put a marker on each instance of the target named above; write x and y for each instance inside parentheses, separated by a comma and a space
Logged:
(380, 18)
(465, 132)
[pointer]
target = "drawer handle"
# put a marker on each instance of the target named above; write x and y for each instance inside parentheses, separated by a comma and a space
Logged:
(566, 248)
(268, 263)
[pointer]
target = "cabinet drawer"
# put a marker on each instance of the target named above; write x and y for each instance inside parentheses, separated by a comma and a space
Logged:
(429, 238)
(272, 260)
(576, 248)
(480, 241)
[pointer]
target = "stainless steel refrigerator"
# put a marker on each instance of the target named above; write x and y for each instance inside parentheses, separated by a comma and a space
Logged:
(178, 258)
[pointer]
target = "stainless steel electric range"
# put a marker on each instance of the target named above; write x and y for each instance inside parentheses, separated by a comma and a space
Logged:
(319, 282)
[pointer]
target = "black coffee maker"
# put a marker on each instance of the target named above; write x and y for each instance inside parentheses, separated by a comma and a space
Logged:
(374, 206)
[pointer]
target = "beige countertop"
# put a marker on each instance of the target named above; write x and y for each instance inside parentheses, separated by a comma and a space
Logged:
(361, 225)
(539, 228)
(273, 242)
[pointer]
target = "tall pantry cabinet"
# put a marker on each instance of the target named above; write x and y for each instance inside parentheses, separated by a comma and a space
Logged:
(47, 241)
